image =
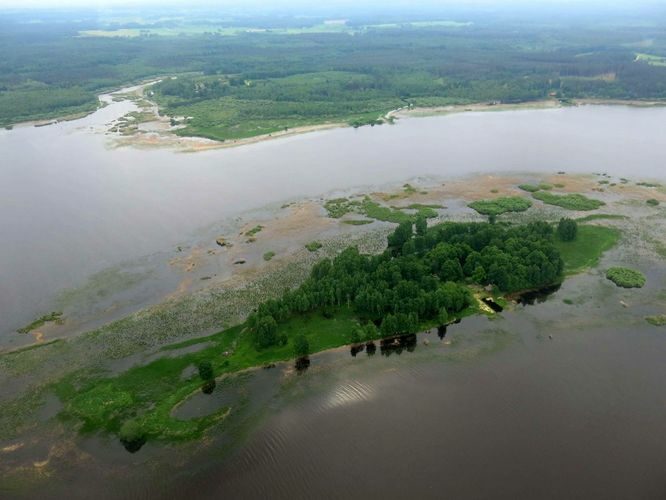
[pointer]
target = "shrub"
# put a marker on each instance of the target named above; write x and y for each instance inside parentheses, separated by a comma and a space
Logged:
(132, 436)
(301, 346)
(206, 370)
(652, 202)
(626, 278)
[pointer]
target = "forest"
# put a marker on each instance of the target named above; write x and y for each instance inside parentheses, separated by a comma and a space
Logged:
(260, 79)
(420, 278)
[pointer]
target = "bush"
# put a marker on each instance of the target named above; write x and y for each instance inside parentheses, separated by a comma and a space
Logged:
(206, 370)
(652, 202)
(567, 229)
(626, 278)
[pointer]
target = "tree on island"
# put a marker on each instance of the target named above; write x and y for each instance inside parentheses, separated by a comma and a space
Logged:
(567, 229)
(206, 370)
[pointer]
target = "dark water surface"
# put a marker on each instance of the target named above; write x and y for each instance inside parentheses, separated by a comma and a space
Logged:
(545, 401)
(71, 207)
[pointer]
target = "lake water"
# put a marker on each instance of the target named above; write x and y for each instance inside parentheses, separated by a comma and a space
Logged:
(547, 401)
(70, 206)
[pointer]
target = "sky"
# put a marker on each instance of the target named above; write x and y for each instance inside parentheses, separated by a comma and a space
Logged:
(276, 4)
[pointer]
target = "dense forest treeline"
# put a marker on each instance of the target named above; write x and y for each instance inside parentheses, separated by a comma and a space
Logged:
(282, 80)
(420, 278)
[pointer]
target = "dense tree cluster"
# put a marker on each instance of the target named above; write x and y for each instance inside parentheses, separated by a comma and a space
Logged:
(419, 278)
(46, 67)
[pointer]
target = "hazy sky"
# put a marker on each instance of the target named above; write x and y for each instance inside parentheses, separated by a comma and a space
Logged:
(273, 4)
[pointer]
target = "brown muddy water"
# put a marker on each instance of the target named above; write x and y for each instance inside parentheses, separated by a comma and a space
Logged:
(72, 206)
(543, 401)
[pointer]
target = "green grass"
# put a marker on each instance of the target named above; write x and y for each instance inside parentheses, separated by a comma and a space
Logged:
(652, 202)
(499, 206)
(254, 231)
(269, 255)
(588, 247)
(313, 246)
(54, 316)
(568, 201)
(625, 277)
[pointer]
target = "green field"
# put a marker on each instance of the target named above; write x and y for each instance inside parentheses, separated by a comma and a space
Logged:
(588, 247)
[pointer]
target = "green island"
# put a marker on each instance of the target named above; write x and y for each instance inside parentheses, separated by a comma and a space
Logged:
(533, 188)
(499, 206)
(572, 201)
(268, 255)
(338, 207)
(426, 276)
(625, 277)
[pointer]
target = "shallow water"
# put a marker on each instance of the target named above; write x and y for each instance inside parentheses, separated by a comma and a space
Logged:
(71, 207)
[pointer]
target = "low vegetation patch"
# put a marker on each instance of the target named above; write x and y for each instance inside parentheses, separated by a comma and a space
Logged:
(592, 217)
(502, 205)
(338, 207)
(54, 316)
(625, 277)
(313, 246)
(357, 222)
(652, 202)
(648, 184)
(269, 255)
(658, 320)
(568, 201)
(254, 231)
